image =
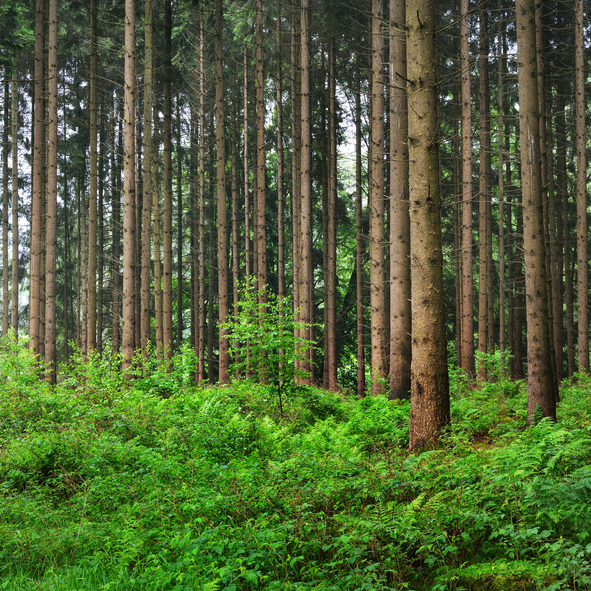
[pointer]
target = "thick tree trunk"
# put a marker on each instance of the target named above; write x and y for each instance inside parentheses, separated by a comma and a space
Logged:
(400, 308)
(540, 384)
(430, 411)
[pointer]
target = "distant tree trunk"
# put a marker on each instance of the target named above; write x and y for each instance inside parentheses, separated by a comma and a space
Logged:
(37, 186)
(51, 210)
(116, 231)
(14, 306)
(261, 230)
(359, 232)
(400, 309)
(92, 196)
(247, 265)
(222, 222)
(377, 279)
(128, 336)
(501, 192)
(147, 182)
(234, 188)
(167, 166)
(562, 193)
(201, 232)
(305, 214)
(157, 233)
(580, 132)
(179, 200)
(280, 168)
(484, 197)
(540, 384)
(467, 239)
(5, 151)
(101, 239)
(331, 271)
(430, 411)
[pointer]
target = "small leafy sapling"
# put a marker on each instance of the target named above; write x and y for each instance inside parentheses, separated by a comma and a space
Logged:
(263, 339)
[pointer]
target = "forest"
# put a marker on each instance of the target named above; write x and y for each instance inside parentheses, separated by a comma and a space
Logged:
(294, 295)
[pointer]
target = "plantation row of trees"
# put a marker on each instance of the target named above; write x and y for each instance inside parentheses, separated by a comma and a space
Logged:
(409, 175)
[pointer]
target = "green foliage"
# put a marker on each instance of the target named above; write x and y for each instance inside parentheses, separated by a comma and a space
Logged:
(155, 484)
(263, 339)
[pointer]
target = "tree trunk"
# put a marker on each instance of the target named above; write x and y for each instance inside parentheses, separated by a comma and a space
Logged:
(379, 358)
(147, 182)
(222, 234)
(400, 309)
(51, 210)
(15, 283)
(430, 411)
(167, 166)
(467, 239)
(539, 372)
(5, 151)
(580, 132)
(501, 191)
(280, 168)
(128, 336)
(92, 196)
(37, 186)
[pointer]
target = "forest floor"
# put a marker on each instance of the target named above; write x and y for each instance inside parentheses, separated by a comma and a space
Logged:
(154, 484)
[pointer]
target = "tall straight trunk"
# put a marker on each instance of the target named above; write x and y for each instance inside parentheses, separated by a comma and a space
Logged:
(430, 412)
(483, 197)
(147, 181)
(179, 201)
(92, 196)
(167, 165)
(37, 185)
(306, 299)
(14, 294)
(247, 265)
(201, 227)
(116, 227)
(501, 192)
(83, 227)
(331, 271)
(400, 309)
(539, 372)
(545, 177)
(562, 194)
(359, 232)
(128, 336)
(51, 210)
(222, 221)
(377, 278)
(101, 237)
(261, 230)
(580, 132)
(280, 167)
(467, 239)
(234, 189)
(296, 160)
(5, 152)
(157, 233)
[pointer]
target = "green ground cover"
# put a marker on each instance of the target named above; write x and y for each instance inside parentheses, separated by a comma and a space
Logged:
(155, 484)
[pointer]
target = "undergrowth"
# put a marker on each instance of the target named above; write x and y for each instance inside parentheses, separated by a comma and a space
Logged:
(155, 484)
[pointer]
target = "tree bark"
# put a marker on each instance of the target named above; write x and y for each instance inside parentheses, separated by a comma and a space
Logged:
(400, 309)
(377, 277)
(15, 282)
(430, 412)
(128, 336)
(539, 374)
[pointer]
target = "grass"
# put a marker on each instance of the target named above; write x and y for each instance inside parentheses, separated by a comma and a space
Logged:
(155, 484)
